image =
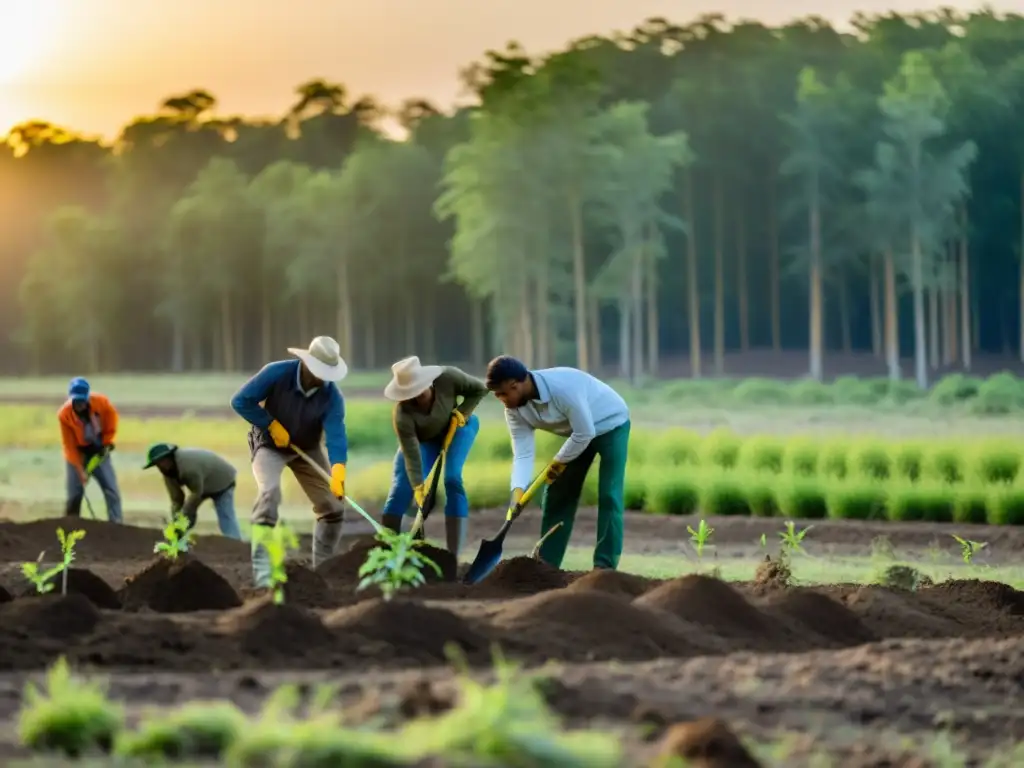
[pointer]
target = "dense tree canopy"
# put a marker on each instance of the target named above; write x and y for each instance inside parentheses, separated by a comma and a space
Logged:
(678, 192)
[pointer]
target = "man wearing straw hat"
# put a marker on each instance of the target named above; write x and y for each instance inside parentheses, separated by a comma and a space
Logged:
(427, 401)
(297, 402)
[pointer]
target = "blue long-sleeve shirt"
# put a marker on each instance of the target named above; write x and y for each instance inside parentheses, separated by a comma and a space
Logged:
(276, 393)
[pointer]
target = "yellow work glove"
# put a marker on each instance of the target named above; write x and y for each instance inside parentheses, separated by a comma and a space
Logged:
(554, 469)
(459, 418)
(94, 462)
(279, 434)
(420, 494)
(338, 480)
(517, 494)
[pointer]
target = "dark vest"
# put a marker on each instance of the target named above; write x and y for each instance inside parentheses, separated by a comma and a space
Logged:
(302, 416)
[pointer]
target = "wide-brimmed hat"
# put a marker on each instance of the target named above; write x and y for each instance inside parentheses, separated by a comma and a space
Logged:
(409, 379)
(158, 451)
(323, 359)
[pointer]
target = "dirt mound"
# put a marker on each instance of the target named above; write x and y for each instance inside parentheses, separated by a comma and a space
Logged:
(60, 617)
(407, 627)
(343, 569)
(84, 582)
(306, 587)
(822, 615)
(103, 541)
(178, 586)
(591, 624)
(974, 594)
(706, 743)
(5, 596)
(270, 631)
(772, 574)
(614, 583)
(523, 576)
(894, 613)
(712, 603)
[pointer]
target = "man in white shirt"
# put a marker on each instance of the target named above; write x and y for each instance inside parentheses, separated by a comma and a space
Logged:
(595, 419)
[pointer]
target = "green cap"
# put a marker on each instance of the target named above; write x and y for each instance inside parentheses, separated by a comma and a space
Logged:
(158, 451)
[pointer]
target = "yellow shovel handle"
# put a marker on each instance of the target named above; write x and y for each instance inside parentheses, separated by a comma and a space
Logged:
(527, 495)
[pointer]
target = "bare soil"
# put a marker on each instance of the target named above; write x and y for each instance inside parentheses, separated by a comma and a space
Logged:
(824, 663)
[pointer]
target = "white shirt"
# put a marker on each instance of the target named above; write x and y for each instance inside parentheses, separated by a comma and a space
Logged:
(569, 402)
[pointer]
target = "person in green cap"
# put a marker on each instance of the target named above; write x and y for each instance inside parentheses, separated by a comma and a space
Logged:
(206, 476)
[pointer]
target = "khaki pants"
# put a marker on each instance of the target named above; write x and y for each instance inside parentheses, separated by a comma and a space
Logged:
(268, 466)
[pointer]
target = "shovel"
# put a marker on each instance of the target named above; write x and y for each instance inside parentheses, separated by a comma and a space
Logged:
(327, 478)
(431, 497)
(490, 549)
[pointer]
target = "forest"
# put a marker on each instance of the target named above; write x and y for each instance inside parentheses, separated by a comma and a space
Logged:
(681, 191)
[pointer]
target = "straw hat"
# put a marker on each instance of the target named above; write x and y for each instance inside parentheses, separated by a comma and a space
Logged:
(409, 379)
(323, 359)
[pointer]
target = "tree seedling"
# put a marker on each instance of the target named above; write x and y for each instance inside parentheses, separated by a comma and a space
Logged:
(701, 536)
(396, 564)
(43, 580)
(278, 542)
(968, 548)
(792, 538)
(177, 538)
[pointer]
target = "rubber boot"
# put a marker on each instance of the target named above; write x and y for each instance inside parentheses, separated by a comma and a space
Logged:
(326, 537)
(455, 533)
(392, 522)
(260, 560)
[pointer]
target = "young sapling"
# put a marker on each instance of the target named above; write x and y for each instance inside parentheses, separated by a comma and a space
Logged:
(968, 548)
(278, 542)
(396, 564)
(701, 536)
(177, 538)
(792, 538)
(43, 580)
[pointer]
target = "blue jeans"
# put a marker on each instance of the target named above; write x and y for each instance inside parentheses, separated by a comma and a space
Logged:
(400, 498)
(104, 475)
(224, 506)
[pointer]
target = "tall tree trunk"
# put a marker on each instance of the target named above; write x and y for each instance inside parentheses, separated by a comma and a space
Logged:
(948, 309)
(845, 322)
(816, 319)
(653, 346)
(526, 331)
(369, 324)
(1021, 287)
(920, 335)
(594, 323)
(693, 286)
(625, 335)
(543, 325)
(774, 278)
(966, 339)
(178, 344)
(476, 332)
(876, 308)
(266, 322)
(227, 331)
(934, 342)
(343, 311)
(637, 309)
(413, 306)
(892, 320)
(719, 236)
(741, 278)
(428, 313)
(579, 279)
(304, 317)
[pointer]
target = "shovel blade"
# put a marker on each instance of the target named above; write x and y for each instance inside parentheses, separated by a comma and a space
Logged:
(486, 560)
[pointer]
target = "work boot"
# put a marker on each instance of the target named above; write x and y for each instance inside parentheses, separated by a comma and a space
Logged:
(326, 537)
(392, 522)
(260, 560)
(455, 533)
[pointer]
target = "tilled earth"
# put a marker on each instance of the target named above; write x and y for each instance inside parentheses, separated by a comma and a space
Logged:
(858, 674)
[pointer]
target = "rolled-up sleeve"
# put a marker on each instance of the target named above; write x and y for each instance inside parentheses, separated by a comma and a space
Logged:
(523, 449)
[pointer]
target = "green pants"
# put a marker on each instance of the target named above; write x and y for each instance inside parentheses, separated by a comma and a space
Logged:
(562, 498)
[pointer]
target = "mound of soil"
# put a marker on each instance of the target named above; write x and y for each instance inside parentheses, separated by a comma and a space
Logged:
(60, 617)
(613, 582)
(343, 569)
(823, 616)
(5, 596)
(584, 625)
(103, 541)
(523, 576)
(306, 587)
(706, 743)
(82, 581)
(178, 586)
(712, 603)
(972, 594)
(408, 627)
(772, 575)
(270, 631)
(894, 613)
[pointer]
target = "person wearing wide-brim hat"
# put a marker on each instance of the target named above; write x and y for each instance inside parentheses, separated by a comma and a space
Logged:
(206, 476)
(428, 398)
(301, 406)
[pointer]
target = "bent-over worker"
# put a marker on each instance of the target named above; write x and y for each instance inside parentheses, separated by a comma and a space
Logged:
(428, 398)
(297, 402)
(595, 418)
(88, 429)
(206, 476)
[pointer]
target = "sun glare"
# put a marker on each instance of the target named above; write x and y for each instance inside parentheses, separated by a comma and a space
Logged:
(26, 29)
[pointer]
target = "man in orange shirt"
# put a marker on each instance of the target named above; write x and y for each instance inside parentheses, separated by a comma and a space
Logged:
(88, 426)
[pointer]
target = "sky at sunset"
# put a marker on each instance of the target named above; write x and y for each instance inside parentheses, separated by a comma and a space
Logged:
(93, 64)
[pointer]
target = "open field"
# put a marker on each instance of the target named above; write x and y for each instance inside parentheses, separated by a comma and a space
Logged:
(840, 674)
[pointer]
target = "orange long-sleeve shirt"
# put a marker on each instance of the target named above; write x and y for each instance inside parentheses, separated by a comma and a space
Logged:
(72, 429)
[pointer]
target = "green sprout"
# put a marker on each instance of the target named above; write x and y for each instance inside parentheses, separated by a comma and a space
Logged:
(177, 537)
(396, 564)
(792, 538)
(43, 580)
(764, 541)
(278, 542)
(701, 536)
(968, 548)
